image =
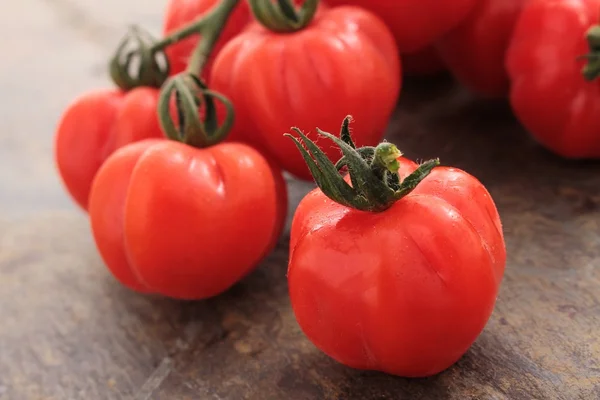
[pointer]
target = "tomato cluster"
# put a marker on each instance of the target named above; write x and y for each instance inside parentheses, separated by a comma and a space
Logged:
(180, 168)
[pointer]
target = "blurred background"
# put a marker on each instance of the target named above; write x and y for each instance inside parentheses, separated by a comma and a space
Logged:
(69, 331)
(53, 50)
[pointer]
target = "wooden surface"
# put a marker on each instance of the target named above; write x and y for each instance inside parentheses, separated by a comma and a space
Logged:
(69, 331)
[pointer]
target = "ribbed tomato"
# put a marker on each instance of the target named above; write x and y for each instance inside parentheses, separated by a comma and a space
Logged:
(184, 222)
(178, 13)
(344, 61)
(553, 93)
(397, 266)
(93, 126)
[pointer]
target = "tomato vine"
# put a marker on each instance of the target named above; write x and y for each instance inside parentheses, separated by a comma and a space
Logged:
(283, 15)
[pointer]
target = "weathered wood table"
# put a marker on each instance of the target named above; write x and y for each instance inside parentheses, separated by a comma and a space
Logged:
(69, 331)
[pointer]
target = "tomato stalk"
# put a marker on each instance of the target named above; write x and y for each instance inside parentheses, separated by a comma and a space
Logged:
(283, 16)
(190, 92)
(140, 66)
(591, 70)
(373, 171)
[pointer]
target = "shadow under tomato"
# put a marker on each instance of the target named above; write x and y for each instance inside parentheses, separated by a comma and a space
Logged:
(479, 135)
(249, 333)
(544, 200)
(336, 381)
(333, 380)
(471, 377)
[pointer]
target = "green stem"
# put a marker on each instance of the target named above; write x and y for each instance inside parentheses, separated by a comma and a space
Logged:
(188, 89)
(373, 171)
(209, 26)
(192, 28)
(211, 31)
(190, 92)
(283, 16)
(591, 70)
(150, 72)
(385, 164)
(386, 158)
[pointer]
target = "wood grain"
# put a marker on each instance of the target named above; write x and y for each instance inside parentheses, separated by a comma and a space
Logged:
(69, 331)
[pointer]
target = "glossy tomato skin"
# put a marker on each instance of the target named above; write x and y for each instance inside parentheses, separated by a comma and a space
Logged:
(422, 62)
(344, 62)
(415, 24)
(548, 92)
(475, 50)
(405, 291)
(93, 126)
(179, 13)
(186, 223)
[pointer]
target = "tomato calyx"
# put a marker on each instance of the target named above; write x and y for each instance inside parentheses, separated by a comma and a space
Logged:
(146, 63)
(591, 70)
(190, 94)
(373, 171)
(283, 16)
(142, 65)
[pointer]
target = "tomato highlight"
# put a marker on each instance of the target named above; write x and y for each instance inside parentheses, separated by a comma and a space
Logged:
(342, 61)
(184, 222)
(180, 13)
(396, 266)
(96, 124)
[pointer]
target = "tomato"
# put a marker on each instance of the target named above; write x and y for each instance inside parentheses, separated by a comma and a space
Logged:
(406, 289)
(549, 94)
(344, 61)
(178, 13)
(416, 24)
(475, 50)
(183, 222)
(422, 62)
(93, 126)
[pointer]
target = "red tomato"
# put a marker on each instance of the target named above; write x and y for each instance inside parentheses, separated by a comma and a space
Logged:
(344, 62)
(407, 290)
(416, 23)
(475, 50)
(422, 62)
(181, 12)
(183, 222)
(548, 91)
(94, 126)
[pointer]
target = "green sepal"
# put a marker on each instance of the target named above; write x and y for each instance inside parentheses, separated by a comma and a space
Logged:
(138, 66)
(282, 16)
(591, 69)
(373, 171)
(190, 93)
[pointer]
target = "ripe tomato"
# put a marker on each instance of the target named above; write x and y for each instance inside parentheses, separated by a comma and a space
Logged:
(548, 91)
(422, 62)
(184, 222)
(181, 12)
(344, 62)
(416, 23)
(404, 291)
(475, 50)
(96, 124)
